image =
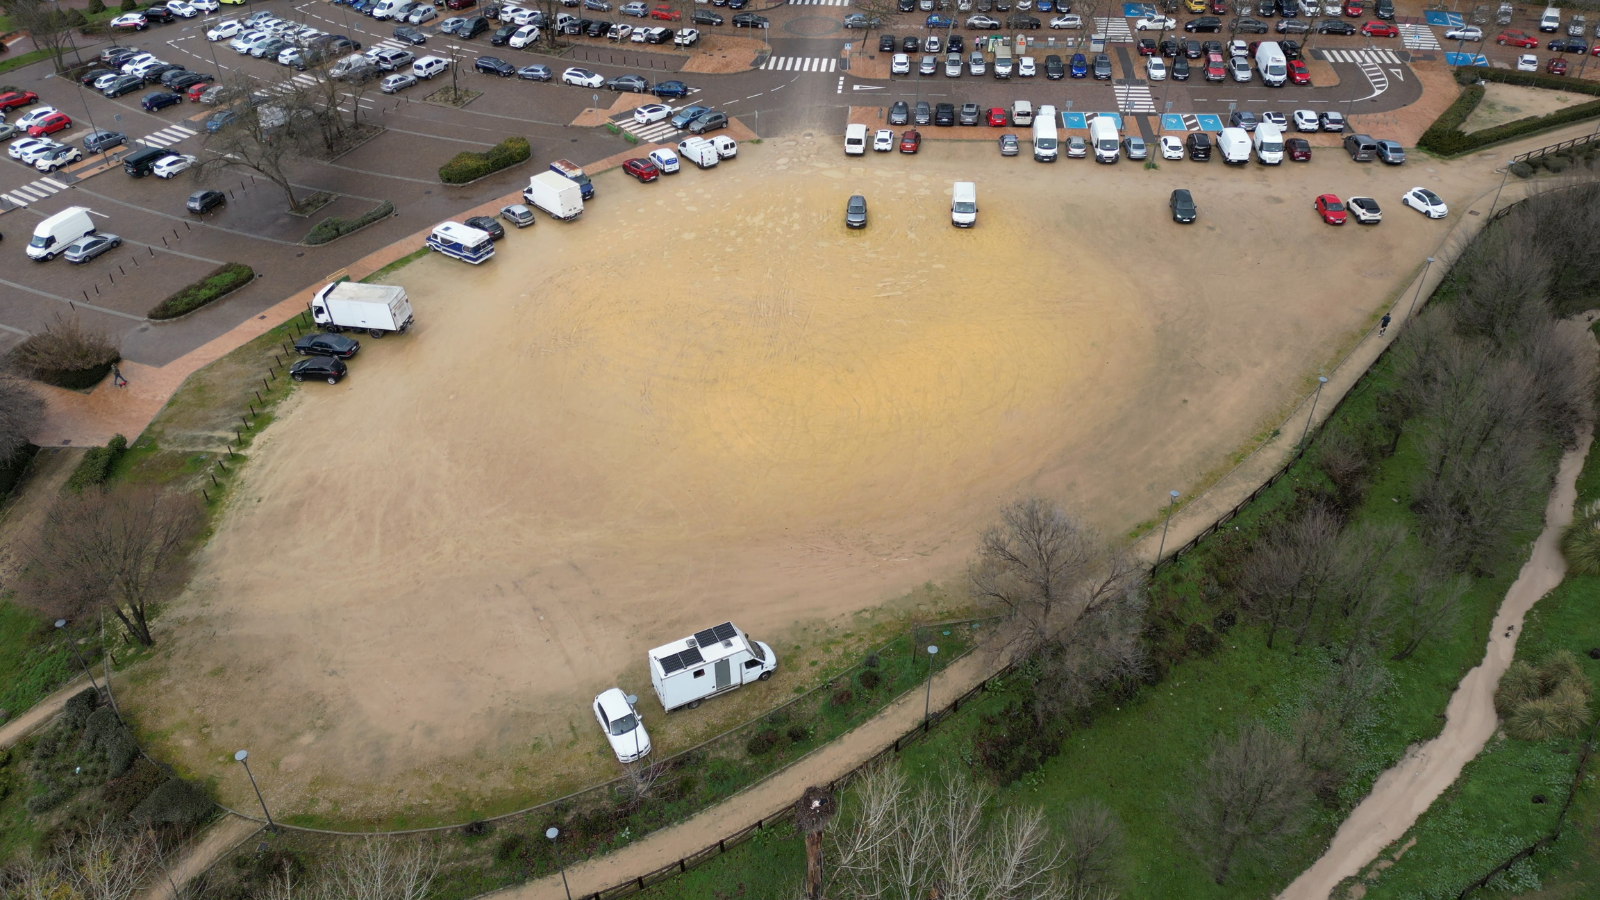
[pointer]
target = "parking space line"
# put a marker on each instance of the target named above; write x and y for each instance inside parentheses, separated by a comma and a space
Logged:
(114, 312)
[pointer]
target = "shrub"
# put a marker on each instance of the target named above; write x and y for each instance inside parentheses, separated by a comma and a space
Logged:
(177, 802)
(476, 829)
(1445, 137)
(65, 354)
(871, 661)
(869, 679)
(470, 166)
(95, 466)
(75, 18)
(1541, 703)
(1199, 639)
(1518, 685)
(1557, 163)
(778, 718)
(843, 697)
(96, 6)
(225, 279)
(129, 5)
(1522, 170)
(1534, 720)
(1011, 744)
(46, 800)
(103, 734)
(75, 713)
(798, 734)
(762, 742)
(511, 848)
(1224, 620)
(333, 227)
(1561, 669)
(119, 796)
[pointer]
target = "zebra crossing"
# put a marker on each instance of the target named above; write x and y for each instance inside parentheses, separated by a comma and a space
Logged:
(819, 2)
(168, 136)
(1418, 37)
(33, 192)
(1369, 57)
(802, 64)
(1134, 98)
(657, 133)
(1115, 29)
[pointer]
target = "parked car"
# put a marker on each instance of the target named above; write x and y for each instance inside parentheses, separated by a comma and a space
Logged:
(632, 83)
(622, 724)
(582, 78)
(488, 224)
(172, 166)
(855, 212)
(517, 214)
(1330, 209)
(1182, 205)
(57, 157)
(642, 169)
(100, 141)
(394, 84)
(205, 201)
(749, 20)
(322, 343)
(89, 246)
(910, 142)
(50, 124)
(319, 368)
(1365, 210)
(899, 113)
(651, 113)
(1426, 202)
(1379, 29)
(494, 65)
(670, 89)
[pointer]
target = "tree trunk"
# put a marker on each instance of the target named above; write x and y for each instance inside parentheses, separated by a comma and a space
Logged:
(134, 621)
(814, 866)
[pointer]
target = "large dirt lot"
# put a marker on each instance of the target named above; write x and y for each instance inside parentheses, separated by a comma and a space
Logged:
(708, 400)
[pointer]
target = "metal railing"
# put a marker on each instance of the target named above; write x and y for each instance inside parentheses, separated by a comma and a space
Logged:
(1556, 148)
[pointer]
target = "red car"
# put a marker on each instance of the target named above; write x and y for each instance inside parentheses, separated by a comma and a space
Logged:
(1219, 7)
(195, 90)
(57, 121)
(1147, 46)
(1554, 67)
(1380, 29)
(1299, 149)
(1352, 8)
(997, 117)
(1330, 209)
(642, 169)
(1298, 73)
(1517, 39)
(666, 14)
(910, 141)
(14, 99)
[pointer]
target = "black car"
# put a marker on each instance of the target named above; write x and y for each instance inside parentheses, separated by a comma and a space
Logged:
(535, 72)
(159, 14)
(899, 113)
(502, 35)
(1291, 49)
(670, 89)
(704, 17)
(923, 114)
(187, 80)
(1211, 46)
(1191, 49)
(321, 368)
(1171, 48)
(410, 35)
(1384, 9)
(1204, 23)
(886, 43)
(494, 66)
(1053, 68)
(125, 84)
(944, 114)
(472, 28)
(158, 100)
(1288, 9)
(634, 83)
(93, 75)
(324, 344)
(1266, 9)
(1249, 26)
(1102, 67)
(956, 44)
(597, 28)
(489, 224)
(855, 212)
(205, 201)
(910, 44)
(1021, 20)
(906, 5)
(1180, 70)
(1334, 26)
(1182, 205)
(970, 114)
(749, 20)
(154, 73)
(1569, 45)
(1199, 146)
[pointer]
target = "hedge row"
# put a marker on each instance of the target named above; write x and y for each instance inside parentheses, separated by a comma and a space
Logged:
(95, 467)
(333, 227)
(225, 278)
(469, 166)
(1446, 138)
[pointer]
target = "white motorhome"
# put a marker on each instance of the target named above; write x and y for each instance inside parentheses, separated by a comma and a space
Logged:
(1234, 145)
(462, 242)
(1103, 137)
(964, 204)
(855, 140)
(1269, 144)
(376, 309)
(1046, 146)
(1271, 63)
(707, 663)
(556, 194)
(52, 236)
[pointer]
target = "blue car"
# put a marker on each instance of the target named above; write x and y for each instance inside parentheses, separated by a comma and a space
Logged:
(687, 115)
(160, 100)
(220, 120)
(1044, 6)
(671, 89)
(938, 21)
(1080, 66)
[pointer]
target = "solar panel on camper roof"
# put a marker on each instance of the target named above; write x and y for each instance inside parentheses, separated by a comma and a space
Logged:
(681, 660)
(723, 632)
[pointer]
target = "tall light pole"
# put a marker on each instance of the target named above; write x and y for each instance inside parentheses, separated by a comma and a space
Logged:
(632, 699)
(1171, 502)
(927, 702)
(242, 758)
(552, 833)
(61, 625)
(1420, 280)
(1321, 380)
(1503, 176)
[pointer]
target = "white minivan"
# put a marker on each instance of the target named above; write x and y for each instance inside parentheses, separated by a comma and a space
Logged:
(1105, 140)
(1269, 144)
(699, 151)
(1021, 113)
(855, 140)
(1046, 146)
(52, 236)
(429, 66)
(1551, 20)
(386, 8)
(964, 204)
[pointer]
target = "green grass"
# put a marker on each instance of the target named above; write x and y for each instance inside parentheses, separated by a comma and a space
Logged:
(23, 59)
(33, 661)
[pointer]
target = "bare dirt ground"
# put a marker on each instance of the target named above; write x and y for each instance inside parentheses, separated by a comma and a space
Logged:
(753, 414)
(1504, 103)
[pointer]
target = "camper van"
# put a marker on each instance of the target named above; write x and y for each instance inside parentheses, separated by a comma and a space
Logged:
(52, 236)
(964, 204)
(707, 663)
(1103, 137)
(855, 140)
(1045, 145)
(461, 242)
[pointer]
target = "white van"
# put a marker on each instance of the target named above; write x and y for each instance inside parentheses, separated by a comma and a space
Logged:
(52, 236)
(855, 140)
(1269, 144)
(1046, 146)
(1551, 20)
(352, 66)
(1103, 137)
(1234, 145)
(726, 147)
(1022, 113)
(699, 151)
(386, 8)
(1271, 63)
(462, 242)
(1002, 62)
(429, 66)
(964, 204)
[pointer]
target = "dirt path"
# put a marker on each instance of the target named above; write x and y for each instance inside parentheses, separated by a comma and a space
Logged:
(1405, 791)
(39, 713)
(215, 842)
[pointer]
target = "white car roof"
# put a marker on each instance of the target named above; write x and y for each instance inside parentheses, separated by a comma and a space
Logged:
(614, 703)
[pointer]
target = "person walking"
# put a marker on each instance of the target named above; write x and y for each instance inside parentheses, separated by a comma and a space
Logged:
(116, 377)
(1384, 325)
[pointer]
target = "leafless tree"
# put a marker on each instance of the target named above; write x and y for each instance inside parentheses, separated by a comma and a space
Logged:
(1560, 359)
(1101, 652)
(46, 24)
(123, 549)
(21, 412)
(102, 863)
(1289, 568)
(1427, 609)
(1564, 221)
(1503, 280)
(378, 869)
(640, 779)
(1091, 839)
(266, 138)
(1249, 796)
(66, 345)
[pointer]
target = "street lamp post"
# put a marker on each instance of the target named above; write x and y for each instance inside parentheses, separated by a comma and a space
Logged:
(632, 699)
(61, 625)
(1321, 380)
(1419, 289)
(927, 702)
(242, 758)
(1171, 502)
(552, 833)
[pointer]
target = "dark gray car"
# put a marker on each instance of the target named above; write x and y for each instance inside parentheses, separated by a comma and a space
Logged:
(855, 212)
(923, 114)
(899, 113)
(970, 114)
(1102, 67)
(96, 141)
(1391, 152)
(1182, 206)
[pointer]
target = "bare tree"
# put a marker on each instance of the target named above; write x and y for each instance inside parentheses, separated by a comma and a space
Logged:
(103, 863)
(377, 869)
(1092, 842)
(65, 345)
(1103, 651)
(266, 138)
(640, 780)
(122, 549)
(1503, 280)
(1289, 568)
(46, 24)
(1249, 796)
(21, 412)
(1428, 608)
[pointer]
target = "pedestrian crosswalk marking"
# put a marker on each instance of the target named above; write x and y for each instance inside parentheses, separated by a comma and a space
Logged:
(1134, 98)
(33, 191)
(802, 64)
(819, 2)
(1115, 30)
(1418, 37)
(168, 136)
(655, 133)
(1370, 57)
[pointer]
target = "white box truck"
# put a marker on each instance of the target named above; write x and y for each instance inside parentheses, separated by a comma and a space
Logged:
(557, 195)
(1271, 63)
(707, 663)
(1045, 143)
(52, 236)
(1103, 137)
(376, 309)
(1269, 144)
(964, 204)
(1234, 145)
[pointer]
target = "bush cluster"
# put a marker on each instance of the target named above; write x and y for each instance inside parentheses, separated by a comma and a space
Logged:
(96, 6)
(66, 354)
(224, 279)
(762, 742)
(96, 465)
(129, 5)
(1445, 137)
(1012, 743)
(1544, 701)
(1581, 542)
(333, 227)
(470, 166)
